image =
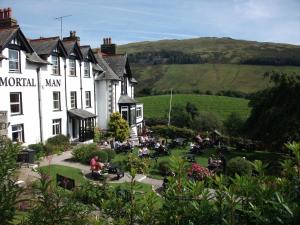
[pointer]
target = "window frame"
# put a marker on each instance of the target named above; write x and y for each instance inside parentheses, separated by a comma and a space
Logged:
(73, 101)
(56, 126)
(20, 103)
(17, 61)
(86, 68)
(88, 100)
(20, 131)
(72, 69)
(57, 65)
(56, 100)
(139, 112)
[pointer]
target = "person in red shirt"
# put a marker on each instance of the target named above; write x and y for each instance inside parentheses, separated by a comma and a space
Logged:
(95, 166)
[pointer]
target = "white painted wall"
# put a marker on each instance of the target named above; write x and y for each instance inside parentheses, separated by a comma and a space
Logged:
(30, 117)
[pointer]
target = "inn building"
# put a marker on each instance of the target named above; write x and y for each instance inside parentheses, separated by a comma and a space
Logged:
(50, 86)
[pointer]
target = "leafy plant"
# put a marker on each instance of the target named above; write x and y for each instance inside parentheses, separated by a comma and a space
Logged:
(240, 166)
(118, 127)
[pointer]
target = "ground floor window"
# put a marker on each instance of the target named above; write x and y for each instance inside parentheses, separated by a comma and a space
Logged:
(139, 112)
(17, 133)
(56, 126)
(124, 112)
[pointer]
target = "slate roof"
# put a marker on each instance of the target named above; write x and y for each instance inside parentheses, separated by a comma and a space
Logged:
(133, 80)
(44, 46)
(125, 99)
(6, 34)
(108, 73)
(34, 58)
(81, 113)
(85, 50)
(117, 63)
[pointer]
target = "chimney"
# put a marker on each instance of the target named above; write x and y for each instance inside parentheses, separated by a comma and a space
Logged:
(72, 37)
(107, 47)
(6, 20)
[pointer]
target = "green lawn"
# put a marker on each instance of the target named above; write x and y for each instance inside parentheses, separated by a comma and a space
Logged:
(67, 171)
(221, 106)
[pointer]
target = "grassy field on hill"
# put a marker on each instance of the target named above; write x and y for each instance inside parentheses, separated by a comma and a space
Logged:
(208, 63)
(203, 77)
(157, 106)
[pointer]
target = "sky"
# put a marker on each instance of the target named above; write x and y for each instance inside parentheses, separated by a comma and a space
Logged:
(127, 21)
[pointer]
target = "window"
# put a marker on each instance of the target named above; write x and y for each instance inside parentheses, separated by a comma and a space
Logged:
(16, 103)
(88, 99)
(86, 67)
(55, 65)
(124, 112)
(73, 95)
(56, 126)
(72, 67)
(56, 100)
(139, 112)
(17, 132)
(14, 60)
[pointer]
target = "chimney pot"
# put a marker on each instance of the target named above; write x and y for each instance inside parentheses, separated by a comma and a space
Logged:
(9, 12)
(109, 40)
(4, 13)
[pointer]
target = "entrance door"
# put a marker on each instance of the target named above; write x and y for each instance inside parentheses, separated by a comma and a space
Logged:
(74, 128)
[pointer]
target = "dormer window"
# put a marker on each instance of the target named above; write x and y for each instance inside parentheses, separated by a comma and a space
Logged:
(14, 60)
(72, 67)
(86, 67)
(55, 65)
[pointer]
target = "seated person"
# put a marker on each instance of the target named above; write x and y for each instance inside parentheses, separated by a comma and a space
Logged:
(145, 151)
(142, 140)
(95, 165)
(157, 145)
(140, 152)
(117, 144)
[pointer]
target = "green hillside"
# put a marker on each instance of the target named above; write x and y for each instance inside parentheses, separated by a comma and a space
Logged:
(157, 106)
(212, 64)
(203, 77)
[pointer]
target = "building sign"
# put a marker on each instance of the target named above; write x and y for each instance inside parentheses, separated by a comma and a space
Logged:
(17, 82)
(53, 82)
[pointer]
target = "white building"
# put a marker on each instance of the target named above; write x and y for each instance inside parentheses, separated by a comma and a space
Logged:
(50, 86)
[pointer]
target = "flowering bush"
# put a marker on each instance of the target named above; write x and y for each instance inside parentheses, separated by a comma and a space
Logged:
(199, 172)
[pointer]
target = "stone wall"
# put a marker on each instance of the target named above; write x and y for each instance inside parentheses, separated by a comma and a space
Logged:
(3, 123)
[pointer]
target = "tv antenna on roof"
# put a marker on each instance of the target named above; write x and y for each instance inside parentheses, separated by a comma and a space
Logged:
(61, 22)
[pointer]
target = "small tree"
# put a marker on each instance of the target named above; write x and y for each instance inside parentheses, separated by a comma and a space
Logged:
(118, 127)
(9, 192)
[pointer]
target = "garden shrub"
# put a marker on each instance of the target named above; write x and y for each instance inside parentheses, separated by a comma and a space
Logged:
(84, 153)
(164, 168)
(98, 135)
(59, 140)
(102, 155)
(40, 149)
(240, 166)
(57, 144)
(118, 127)
(110, 154)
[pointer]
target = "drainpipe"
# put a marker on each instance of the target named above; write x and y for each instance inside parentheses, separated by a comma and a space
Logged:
(94, 93)
(66, 98)
(80, 85)
(115, 95)
(39, 103)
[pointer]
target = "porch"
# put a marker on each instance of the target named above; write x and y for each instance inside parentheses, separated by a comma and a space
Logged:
(82, 124)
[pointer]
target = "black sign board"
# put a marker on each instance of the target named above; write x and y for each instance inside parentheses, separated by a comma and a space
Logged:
(65, 182)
